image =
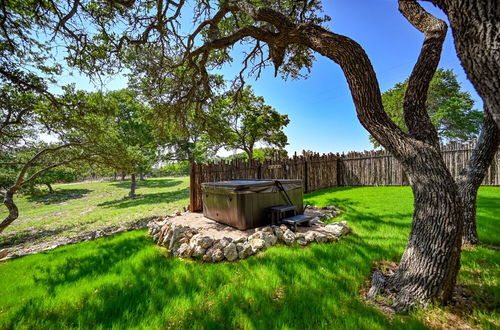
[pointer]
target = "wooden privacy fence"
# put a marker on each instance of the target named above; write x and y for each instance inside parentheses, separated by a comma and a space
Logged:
(368, 168)
(316, 172)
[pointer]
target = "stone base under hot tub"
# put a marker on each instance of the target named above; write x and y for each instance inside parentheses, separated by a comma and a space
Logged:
(191, 235)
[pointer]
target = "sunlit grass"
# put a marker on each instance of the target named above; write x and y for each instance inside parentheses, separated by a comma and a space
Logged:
(125, 281)
(86, 207)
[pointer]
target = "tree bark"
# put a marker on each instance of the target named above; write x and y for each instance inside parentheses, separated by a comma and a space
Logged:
(249, 153)
(475, 25)
(51, 191)
(429, 266)
(114, 176)
(141, 176)
(11, 207)
(133, 184)
(123, 176)
(473, 174)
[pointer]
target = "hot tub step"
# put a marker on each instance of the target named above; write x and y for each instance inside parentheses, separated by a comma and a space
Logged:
(296, 220)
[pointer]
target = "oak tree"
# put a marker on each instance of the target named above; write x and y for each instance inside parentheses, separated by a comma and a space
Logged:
(248, 121)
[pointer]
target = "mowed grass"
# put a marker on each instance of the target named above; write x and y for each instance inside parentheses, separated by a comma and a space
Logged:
(74, 209)
(125, 281)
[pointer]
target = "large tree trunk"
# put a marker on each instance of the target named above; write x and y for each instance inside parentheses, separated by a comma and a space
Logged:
(133, 184)
(11, 207)
(473, 174)
(430, 263)
(475, 25)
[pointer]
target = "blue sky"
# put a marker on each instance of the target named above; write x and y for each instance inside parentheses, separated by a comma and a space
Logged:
(323, 118)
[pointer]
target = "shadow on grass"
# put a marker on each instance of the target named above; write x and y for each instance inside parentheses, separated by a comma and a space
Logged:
(59, 196)
(8, 240)
(130, 284)
(144, 199)
(151, 183)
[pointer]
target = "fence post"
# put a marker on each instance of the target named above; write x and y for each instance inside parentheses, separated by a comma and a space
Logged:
(306, 177)
(192, 186)
(339, 174)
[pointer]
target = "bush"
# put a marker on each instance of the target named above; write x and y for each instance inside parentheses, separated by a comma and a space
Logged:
(173, 169)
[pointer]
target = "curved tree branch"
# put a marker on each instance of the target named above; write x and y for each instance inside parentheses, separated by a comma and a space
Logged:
(342, 50)
(415, 110)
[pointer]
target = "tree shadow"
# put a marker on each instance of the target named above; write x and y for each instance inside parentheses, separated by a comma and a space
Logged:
(156, 183)
(58, 196)
(284, 287)
(144, 199)
(9, 239)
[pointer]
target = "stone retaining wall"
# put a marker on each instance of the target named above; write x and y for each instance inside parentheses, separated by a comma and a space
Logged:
(185, 241)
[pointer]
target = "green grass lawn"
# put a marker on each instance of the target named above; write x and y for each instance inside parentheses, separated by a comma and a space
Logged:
(125, 281)
(75, 209)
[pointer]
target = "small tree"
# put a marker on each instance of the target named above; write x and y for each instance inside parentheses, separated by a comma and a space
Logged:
(57, 175)
(128, 145)
(250, 121)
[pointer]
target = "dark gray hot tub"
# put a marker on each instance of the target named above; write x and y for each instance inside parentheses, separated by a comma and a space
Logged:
(244, 204)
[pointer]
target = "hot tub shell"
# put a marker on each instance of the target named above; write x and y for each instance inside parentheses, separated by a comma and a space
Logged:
(244, 204)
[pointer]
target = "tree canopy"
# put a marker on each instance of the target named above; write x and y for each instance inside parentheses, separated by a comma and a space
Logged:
(248, 121)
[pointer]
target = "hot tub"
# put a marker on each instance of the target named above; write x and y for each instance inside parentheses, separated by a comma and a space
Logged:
(244, 204)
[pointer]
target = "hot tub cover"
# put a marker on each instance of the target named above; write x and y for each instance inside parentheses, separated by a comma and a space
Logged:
(244, 204)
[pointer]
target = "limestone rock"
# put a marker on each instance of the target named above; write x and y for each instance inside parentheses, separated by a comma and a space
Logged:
(266, 229)
(214, 254)
(217, 255)
(185, 251)
(225, 241)
(320, 238)
(202, 241)
(230, 252)
(288, 237)
(278, 232)
(198, 251)
(244, 250)
(317, 222)
(269, 239)
(240, 240)
(257, 244)
(338, 228)
(302, 241)
(310, 236)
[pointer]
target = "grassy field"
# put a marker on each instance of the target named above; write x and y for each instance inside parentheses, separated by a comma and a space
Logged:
(83, 208)
(125, 281)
